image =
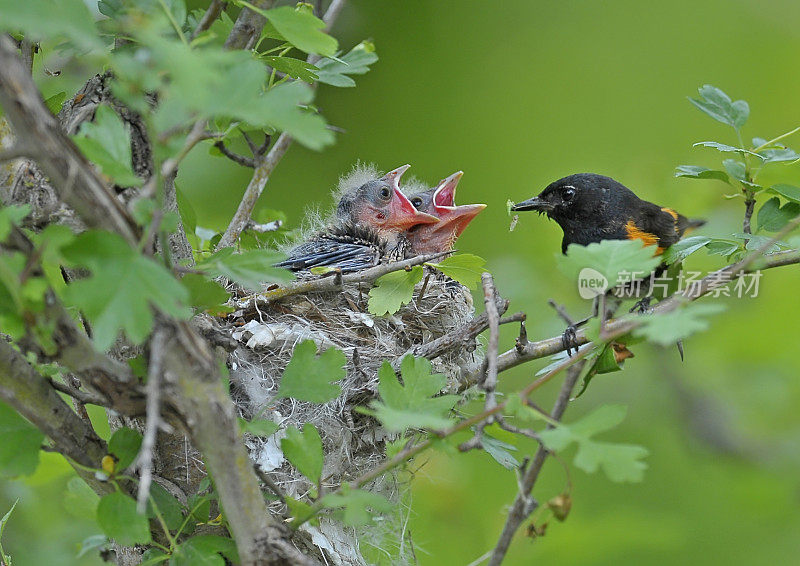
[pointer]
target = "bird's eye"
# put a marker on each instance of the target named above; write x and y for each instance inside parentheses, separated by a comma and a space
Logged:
(385, 193)
(416, 201)
(568, 193)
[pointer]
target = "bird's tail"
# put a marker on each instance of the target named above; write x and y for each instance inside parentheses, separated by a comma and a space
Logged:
(686, 225)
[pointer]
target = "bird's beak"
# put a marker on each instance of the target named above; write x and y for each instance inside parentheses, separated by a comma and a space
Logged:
(394, 175)
(403, 215)
(445, 194)
(535, 203)
(454, 218)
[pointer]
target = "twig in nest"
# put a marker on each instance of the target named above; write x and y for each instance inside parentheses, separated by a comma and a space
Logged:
(274, 488)
(83, 397)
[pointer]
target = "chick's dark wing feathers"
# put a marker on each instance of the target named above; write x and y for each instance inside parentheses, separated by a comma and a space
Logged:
(348, 248)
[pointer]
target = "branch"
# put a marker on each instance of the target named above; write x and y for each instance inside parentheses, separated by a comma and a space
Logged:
(24, 389)
(73, 177)
(265, 166)
(524, 504)
(551, 346)
(242, 160)
(212, 13)
(247, 28)
(13, 152)
(84, 397)
(328, 283)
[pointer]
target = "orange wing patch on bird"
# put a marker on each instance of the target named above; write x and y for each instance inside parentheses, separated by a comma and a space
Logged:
(671, 213)
(635, 233)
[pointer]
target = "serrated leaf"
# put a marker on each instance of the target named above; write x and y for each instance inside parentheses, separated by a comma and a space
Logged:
(615, 260)
(300, 28)
(106, 142)
(124, 445)
(789, 192)
(772, 216)
(259, 427)
(464, 268)
(725, 148)
(776, 155)
(393, 290)
(667, 328)
(309, 377)
(19, 449)
(295, 68)
(250, 269)
(698, 172)
(411, 404)
(123, 287)
(500, 451)
(684, 248)
(304, 451)
(358, 506)
(722, 247)
(719, 106)
(119, 520)
(620, 462)
(335, 71)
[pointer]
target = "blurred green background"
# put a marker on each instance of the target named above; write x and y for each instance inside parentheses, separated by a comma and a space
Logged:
(518, 94)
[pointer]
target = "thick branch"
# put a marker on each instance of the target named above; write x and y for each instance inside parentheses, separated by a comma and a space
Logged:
(73, 177)
(23, 388)
(248, 26)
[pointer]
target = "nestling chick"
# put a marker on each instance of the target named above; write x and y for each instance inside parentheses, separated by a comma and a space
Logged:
(369, 225)
(440, 202)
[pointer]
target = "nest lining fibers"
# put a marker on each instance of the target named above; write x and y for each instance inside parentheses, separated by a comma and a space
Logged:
(353, 443)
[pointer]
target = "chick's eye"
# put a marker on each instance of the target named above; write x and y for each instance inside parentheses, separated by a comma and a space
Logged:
(417, 202)
(567, 194)
(385, 193)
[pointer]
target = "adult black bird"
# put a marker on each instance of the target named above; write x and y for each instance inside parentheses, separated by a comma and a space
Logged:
(590, 208)
(439, 201)
(369, 225)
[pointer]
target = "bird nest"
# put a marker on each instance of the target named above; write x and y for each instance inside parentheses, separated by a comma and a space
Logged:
(353, 443)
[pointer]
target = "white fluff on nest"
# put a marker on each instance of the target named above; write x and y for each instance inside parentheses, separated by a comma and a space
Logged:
(353, 443)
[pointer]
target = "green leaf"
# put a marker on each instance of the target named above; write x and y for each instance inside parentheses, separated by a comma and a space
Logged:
(205, 550)
(304, 451)
(5, 519)
(698, 172)
(169, 507)
(499, 451)
(125, 444)
(107, 143)
(187, 212)
(300, 28)
(259, 427)
(119, 520)
(772, 216)
(779, 154)
(92, 543)
(411, 404)
(393, 290)
(123, 287)
(735, 169)
(335, 71)
(620, 462)
(55, 102)
(615, 260)
(51, 19)
(722, 247)
(80, 500)
(301, 512)
(308, 377)
(789, 192)
(464, 268)
(667, 328)
(295, 68)
(11, 216)
(358, 506)
(725, 148)
(21, 441)
(208, 296)
(250, 269)
(719, 106)
(281, 110)
(684, 248)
